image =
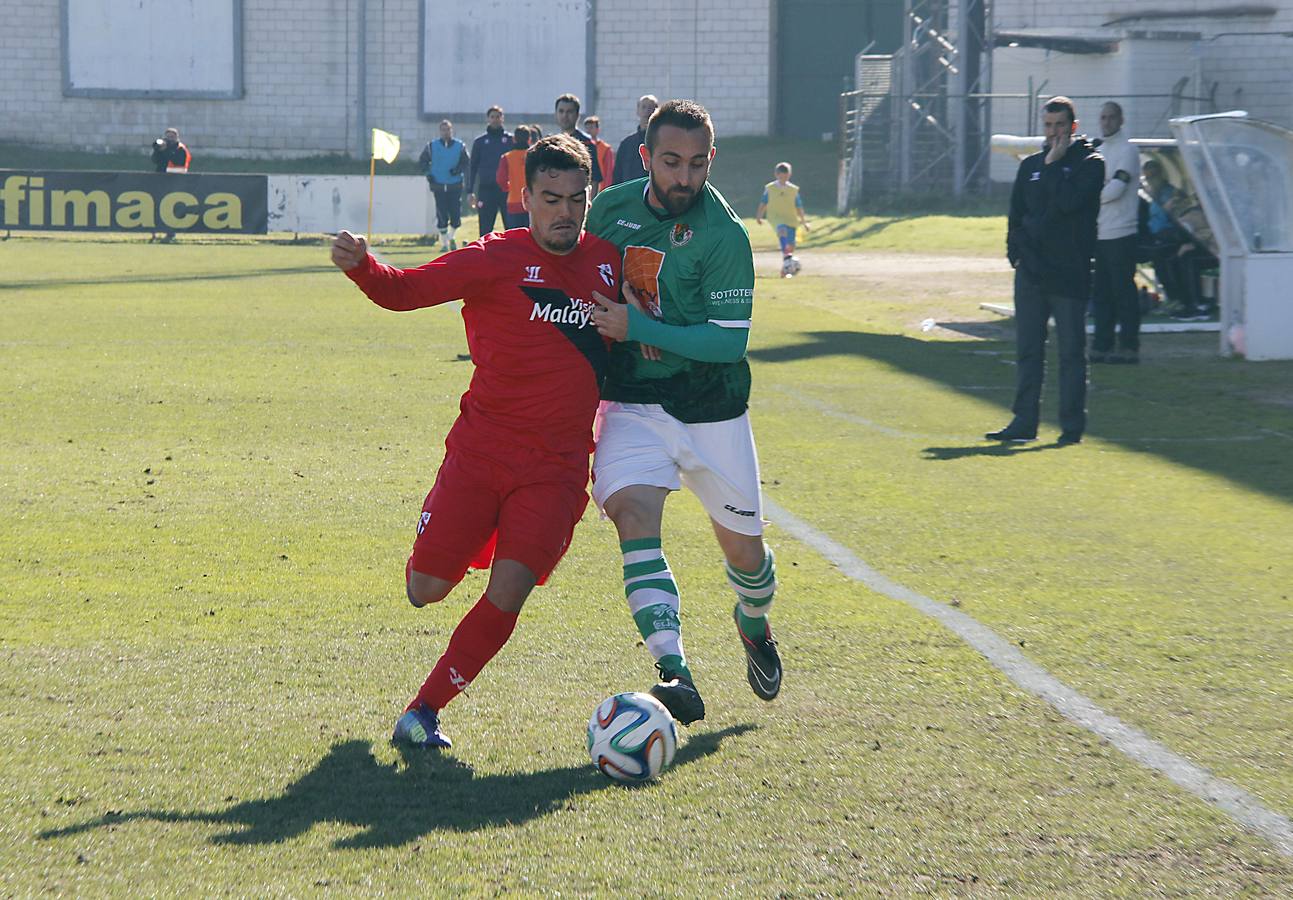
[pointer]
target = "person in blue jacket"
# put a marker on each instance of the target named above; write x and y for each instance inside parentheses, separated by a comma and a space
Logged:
(444, 161)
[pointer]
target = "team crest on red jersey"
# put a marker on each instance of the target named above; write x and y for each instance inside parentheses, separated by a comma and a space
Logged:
(607, 272)
(680, 235)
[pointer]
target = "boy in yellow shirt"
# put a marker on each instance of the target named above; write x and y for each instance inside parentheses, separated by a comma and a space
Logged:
(783, 207)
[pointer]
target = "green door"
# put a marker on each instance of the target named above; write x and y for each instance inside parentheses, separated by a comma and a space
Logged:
(816, 42)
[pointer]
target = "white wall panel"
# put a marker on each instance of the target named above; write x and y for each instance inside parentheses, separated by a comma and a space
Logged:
(520, 54)
(152, 47)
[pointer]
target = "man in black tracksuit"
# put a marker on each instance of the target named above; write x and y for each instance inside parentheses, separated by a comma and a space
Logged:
(1050, 242)
(483, 192)
(628, 158)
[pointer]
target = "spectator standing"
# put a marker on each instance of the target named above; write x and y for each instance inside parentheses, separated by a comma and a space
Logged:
(1115, 302)
(509, 175)
(628, 158)
(169, 155)
(444, 161)
(483, 193)
(605, 155)
(1050, 239)
(567, 115)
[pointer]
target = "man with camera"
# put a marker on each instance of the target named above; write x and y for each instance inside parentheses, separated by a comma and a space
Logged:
(169, 155)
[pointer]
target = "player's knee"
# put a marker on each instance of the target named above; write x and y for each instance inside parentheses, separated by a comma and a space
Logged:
(510, 583)
(634, 515)
(425, 589)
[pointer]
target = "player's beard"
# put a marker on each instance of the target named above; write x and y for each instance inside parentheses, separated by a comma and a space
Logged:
(675, 203)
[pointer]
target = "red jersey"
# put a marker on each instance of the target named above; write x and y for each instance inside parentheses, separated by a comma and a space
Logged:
(539, 359)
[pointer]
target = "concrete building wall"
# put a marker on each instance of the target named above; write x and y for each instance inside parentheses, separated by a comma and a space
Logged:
(719, 52)
(1244, 56)
(302, 80)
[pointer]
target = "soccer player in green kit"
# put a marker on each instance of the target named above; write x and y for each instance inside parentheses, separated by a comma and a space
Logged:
(674, 405)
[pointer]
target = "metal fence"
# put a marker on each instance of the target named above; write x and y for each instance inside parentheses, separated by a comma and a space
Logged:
(893, 143)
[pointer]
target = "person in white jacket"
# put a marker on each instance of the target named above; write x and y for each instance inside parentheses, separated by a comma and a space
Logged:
(1115, 301)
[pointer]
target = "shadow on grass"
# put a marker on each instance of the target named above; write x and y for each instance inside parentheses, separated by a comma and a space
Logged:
(1184, 403)
(395, 805)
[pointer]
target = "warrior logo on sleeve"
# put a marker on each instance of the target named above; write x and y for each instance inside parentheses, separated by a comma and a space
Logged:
(642, 270)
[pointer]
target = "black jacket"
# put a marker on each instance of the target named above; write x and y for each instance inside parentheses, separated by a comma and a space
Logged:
(486, 151)
(586, 139)
(1053, 208)
(628, 163)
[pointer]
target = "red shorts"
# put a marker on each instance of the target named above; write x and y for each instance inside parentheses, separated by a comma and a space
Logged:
(482, 508)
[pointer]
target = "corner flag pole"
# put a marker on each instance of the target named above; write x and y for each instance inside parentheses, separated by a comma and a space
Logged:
(387, 147)
(372, 172)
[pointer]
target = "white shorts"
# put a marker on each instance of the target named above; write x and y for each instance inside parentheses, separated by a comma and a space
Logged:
(640, 443)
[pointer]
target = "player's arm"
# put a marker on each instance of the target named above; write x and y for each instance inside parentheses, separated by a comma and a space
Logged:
(439, 281)
(763, 208)
(707, 342)
(799, 208)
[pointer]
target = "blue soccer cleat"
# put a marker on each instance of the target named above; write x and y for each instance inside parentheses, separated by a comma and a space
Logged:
(420, 727)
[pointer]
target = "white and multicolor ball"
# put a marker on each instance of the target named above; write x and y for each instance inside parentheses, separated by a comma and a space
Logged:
(631, 737)
(790, 265)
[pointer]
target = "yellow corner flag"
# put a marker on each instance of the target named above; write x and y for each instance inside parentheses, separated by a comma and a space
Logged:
(386, 146)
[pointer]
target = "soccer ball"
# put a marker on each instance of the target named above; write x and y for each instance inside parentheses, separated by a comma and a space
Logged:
(631, 737)
(789, 266)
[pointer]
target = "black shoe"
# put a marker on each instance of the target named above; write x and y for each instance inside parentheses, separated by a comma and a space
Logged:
(1012, 434)
(1068, 438)
(762, 661)
(679, 696)
(1190, 314)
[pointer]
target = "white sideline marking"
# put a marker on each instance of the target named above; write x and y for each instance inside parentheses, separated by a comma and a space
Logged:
(1231, 799)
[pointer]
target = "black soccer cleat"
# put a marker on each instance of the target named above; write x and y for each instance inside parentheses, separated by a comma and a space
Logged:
(762, 661)
(679, 696)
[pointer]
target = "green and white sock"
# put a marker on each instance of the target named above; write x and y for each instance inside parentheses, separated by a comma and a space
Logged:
(653, 600)
(754, 590)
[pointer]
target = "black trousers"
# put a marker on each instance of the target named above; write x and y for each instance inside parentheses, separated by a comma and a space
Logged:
(1115, 302)
(1034, 305)
(493, 204)
(516, 220)
(448, 205)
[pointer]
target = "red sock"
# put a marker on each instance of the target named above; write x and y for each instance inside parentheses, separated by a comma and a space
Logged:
(480, 635)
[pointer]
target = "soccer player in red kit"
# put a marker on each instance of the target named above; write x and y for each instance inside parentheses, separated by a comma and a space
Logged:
(514, 478)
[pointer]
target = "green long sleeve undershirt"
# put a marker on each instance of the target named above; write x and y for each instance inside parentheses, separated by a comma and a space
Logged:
(706, 342)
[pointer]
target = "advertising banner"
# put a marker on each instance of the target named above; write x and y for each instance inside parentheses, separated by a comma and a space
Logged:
(32, 200)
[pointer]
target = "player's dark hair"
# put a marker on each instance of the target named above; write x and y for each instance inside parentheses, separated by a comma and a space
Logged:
(782, 167)
(1116, 106)
(494, 109)
(567, 98)
(592, 120)
(1061, 104)
(1153, 165)
(685, 114)
(557, 152)
(536, 133)
(521, 137)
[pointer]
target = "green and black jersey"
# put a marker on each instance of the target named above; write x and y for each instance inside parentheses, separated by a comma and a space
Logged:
(695, 268)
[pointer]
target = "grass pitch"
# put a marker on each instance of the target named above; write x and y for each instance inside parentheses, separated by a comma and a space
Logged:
(211, 460)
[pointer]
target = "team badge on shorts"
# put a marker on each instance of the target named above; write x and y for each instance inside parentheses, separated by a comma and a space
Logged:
(680, 235)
